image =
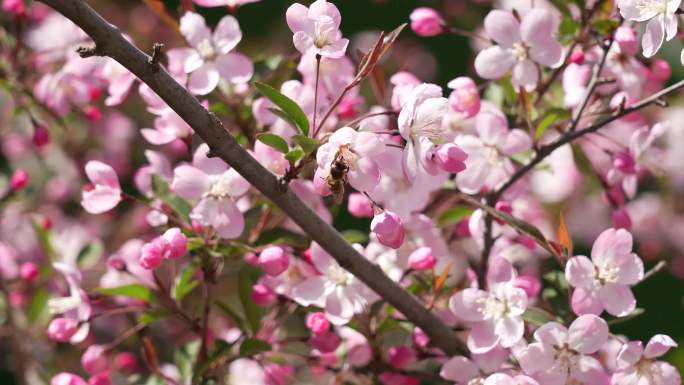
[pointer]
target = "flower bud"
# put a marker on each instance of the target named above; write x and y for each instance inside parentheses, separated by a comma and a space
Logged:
(92, 113)
(422, 259)
(274, 261)
(62, 329)
(263, 295)
(252, 258)
(67, 379)
(401, 357)
(621, 219)
(275, 374)
(577, 57)
(627, 40)
(390, 378)
(29, 272)
(388, 228)
(624, 162)
(41, 136)
(450, 158)
(94, 359)
(17, 298)
(661, 70)
(530, 284)
(100, 379)
(152, 253)
(359, 206)
(325, 342)
(426, 22)
(317, 323)
(176, 243)
(126, 362)
(19, 179)
(465, 97)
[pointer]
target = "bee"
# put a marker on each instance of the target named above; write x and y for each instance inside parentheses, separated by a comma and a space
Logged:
(338, 172)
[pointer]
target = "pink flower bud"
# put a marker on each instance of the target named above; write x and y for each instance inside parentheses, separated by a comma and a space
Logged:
(401, 357)
(388, 228)
(176, 243)
(19, 179)
(317, 323)
(615, 195)
(661, 70)
(275, 374)
(626, 38)
(450, 158)
(420, 338)
(621, 219)
(14, 7)
(530, 284)
(390, 378)
(17, 298)
(263, 295)
(67, 379)
(92, 113)
(94, 359)
(152, 253)
(325, 342)
(252, 258)
(126, 362)
(465, 97)
(100, 379)
(62, 329)
(577, 57)
(29, 272)
(422, 259)
(359, 206)
(41, 136)
(274, 261)
(426, 22)
(624, 162)
(462, 228)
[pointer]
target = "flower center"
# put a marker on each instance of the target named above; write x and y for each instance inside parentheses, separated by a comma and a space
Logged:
(491, 153)
(607, 274)
(477, 381)
(340, 276)
(520, 51)
(217, 191)
(206, 50)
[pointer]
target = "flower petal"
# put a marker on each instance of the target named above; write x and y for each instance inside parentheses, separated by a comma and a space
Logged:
(502, 27)
(227, 35)
(587, 333)
(204, 79)
(493, 62)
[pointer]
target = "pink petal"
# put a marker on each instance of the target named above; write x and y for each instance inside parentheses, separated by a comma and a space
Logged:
(102, 174)
(321, 8)
(659, 345)
(227, 35)
(538, 27)
(100, 199)
(502, 27)
(493, 62)
(617, 299)
(335, 50)
(235, 67)
(510, 330)
(366, 176)
(204, 80)
(587, 333)
(194, 29)
(589, 371)
(525, 75)
(500, 379)
(468, 304)
(536, 357)
(552, 333)
(653, 36)
(302, 41)
(206, 164)
(459, 369)
(310, 291)
(482, 337)
(157, 137)
(586, 301)
(338, 308)
(221, 214)
(547, 52)
(297, 16)
(190, 182)
(516, 142)
(609, 244)
(629, 354)
(579, 271)
(666, 374)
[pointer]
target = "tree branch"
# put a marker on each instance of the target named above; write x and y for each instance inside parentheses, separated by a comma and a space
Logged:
(110, 42)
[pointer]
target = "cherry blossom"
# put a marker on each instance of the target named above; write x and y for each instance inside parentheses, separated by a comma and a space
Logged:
(603, 281)
(211, 57)
(521, 45)
(317, 28)
(75, 309)
(464, 371)
(104, 192)
(661, 17)
(638, 365)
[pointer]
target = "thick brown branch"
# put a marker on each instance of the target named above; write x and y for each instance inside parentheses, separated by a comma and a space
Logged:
(110, 42)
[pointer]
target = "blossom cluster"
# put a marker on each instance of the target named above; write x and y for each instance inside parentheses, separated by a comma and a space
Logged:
(158, 262)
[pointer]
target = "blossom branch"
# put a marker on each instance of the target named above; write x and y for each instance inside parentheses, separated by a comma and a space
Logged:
(110, 42)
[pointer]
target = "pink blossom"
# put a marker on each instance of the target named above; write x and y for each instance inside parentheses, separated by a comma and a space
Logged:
(273, 260)
(495, 314)
(530, 284)
(41, 136)
(62, 329)
(171, 245)
(104, 193)
(577, 57)
(94, 359)
(388, 228)
(521, 45)
(168, 126)
(317, 28)
(19, 179)
(422, 259)
(75, 308)
(626, 38)
(336, 290)
(426, 22)
(661, 17)
(29, 272)
(359, 206)
(67, 379)
(464, 371)
(223, 3)
(276, 374)
(560, 354)
(450, 158)
(637, 365)
(15, 7)
(317, 323)
(465, 97)
(210, 183)
(211, 57)
(604, 281)
(270, 158)
(488, 162)
(356, 149)
(263, 295)
(325, 342)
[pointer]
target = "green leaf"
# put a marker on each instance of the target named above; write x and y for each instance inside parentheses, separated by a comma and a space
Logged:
(567, 30)
(282, 115)
(309, 145)
(161, 190)
(287, 105)
(153, 316)
(606, 26)
(454, 215)
(354, 236)
(274, 141)
(184, 283)
(37, 308)
(44, 238)
(251, 310)
(232, 314)
(551, 117)
(536, 316)
(90, 254)
(281, 236)
(253, 347)
(294, 155)
(136, 291)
